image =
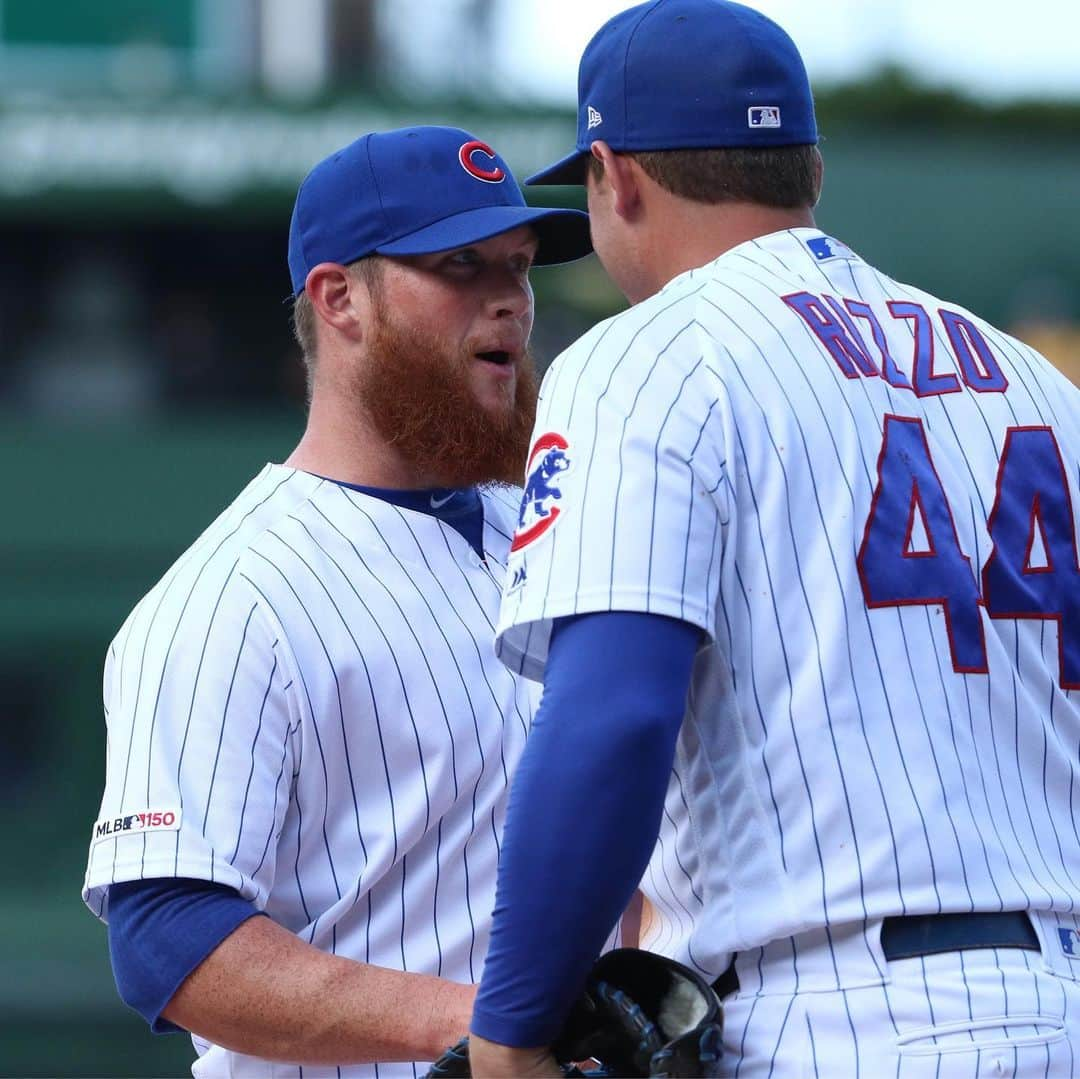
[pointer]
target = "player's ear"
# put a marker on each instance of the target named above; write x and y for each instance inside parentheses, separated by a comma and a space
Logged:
(336, 296)
(619, 180)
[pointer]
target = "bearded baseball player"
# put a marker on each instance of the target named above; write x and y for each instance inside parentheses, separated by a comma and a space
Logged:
(797, 565)
(309, 734)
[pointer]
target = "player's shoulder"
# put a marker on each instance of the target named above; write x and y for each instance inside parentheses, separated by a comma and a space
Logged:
(664, 325)
(209, 573)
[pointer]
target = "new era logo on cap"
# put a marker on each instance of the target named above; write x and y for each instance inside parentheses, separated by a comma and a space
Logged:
(763, 116)
(594, 118)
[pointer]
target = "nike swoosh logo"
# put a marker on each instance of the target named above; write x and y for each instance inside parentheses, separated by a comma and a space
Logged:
(438, 503)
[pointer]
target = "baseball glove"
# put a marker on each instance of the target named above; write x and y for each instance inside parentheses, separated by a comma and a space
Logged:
(640, 1015)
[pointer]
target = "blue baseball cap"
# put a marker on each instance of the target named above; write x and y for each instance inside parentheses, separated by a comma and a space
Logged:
(683, 74)
(416, 191)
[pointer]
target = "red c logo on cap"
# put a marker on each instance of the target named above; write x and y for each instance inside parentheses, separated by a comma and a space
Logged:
(489, 176)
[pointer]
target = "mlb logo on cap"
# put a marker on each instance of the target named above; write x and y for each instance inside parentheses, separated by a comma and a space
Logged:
(763, 116)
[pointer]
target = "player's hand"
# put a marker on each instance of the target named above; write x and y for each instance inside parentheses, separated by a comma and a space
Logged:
(494, 1061)
(640, 1014)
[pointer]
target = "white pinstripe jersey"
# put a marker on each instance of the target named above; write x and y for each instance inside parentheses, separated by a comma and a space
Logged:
(867, 500)
(312, 694)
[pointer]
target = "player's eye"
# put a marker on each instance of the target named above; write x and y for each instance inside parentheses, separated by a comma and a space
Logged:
(467, 257)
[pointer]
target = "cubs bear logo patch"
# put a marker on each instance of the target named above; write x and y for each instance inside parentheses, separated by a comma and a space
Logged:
(548, 459)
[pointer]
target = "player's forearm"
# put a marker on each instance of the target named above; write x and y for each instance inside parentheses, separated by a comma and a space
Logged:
(614, 694)
(266, 993)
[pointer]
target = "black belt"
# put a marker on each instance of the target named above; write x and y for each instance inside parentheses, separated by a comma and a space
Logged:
(904, 937)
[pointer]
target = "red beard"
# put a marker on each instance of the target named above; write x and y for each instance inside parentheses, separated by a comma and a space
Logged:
(415, 388)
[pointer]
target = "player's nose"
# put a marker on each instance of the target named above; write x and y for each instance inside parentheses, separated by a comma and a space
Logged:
(513, 298)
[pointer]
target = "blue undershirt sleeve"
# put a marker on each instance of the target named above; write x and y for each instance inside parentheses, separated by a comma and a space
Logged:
(584, 812)
(160, 930)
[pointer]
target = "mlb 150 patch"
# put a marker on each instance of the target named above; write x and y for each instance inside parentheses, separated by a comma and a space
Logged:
(149, 820)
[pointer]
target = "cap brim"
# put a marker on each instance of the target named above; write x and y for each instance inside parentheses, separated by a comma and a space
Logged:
(570, 170)
(563, 234)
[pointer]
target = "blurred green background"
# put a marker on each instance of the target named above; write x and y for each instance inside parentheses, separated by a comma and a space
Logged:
(149, 152)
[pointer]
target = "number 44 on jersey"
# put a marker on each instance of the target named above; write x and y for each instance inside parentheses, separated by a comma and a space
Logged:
(1031, 571)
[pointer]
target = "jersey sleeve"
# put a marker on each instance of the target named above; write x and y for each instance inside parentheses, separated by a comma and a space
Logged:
(623, 504)
(202, 739)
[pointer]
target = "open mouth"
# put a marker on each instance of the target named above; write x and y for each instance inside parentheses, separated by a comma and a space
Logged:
(496, 356)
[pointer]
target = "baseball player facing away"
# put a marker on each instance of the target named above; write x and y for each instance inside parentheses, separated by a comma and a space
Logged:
(797, 563)
(306, 717)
